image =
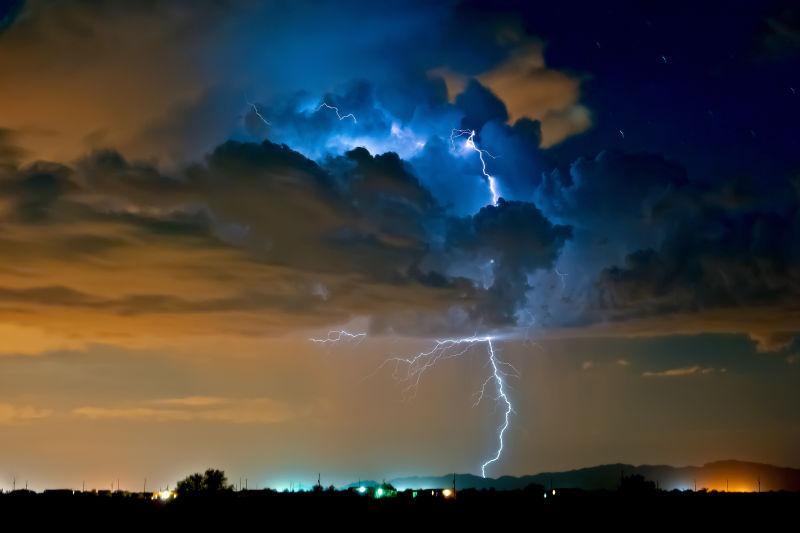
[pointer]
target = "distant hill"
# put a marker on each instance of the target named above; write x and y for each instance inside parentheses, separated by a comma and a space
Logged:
(739, 476)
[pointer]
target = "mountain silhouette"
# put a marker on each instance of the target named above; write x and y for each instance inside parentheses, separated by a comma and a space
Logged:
(737, 476)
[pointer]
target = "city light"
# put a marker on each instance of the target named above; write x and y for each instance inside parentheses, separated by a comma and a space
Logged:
(447, 493)
(164, 495)
(362, 489)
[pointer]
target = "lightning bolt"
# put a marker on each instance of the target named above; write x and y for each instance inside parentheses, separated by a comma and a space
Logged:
(411, 369)
(336, 109)
(562, 277)
(527, 340)
(470, 145)
(257, 112)
(340, 335)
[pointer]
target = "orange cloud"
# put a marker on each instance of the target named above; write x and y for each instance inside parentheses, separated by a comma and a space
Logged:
(530, 90)
(679, 372)
(197, 408)
(87, 76)
(15, 414)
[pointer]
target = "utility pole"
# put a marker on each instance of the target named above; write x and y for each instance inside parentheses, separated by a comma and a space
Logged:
(14, 484)
(144, 488)
(759, 484)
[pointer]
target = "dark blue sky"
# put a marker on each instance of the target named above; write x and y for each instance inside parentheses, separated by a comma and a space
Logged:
(712, 88)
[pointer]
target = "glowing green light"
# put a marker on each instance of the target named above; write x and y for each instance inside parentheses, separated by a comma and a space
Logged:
(379, 492)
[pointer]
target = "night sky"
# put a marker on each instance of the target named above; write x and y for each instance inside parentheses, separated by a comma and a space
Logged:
(191, 191)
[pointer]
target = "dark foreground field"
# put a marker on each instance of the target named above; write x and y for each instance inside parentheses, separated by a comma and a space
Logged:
(471, 508)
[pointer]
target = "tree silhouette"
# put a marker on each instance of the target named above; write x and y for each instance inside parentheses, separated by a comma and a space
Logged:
(636, 484)
(211, 481)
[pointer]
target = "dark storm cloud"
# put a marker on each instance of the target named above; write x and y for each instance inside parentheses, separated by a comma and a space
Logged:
(515, 239)
(146, 304)
(616, 204)
(354, 219)
(711, 257)
(612, 193)
(516, 233)
(650, 243)
(34, 191)
(479, 106)
(384, 224)
(367, 215)
(108, 172)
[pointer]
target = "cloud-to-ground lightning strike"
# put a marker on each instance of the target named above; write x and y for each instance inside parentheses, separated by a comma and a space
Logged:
(336, 109)
(339, 336)
(470, 144)
(411, 369)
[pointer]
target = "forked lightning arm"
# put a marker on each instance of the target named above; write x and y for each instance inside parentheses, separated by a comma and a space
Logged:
(336, 109)
(470, 145)
(410, 370)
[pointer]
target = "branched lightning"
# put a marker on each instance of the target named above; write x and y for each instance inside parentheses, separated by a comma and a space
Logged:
(470, 144)
(411, 369)
(336, 109)
(339, 336)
